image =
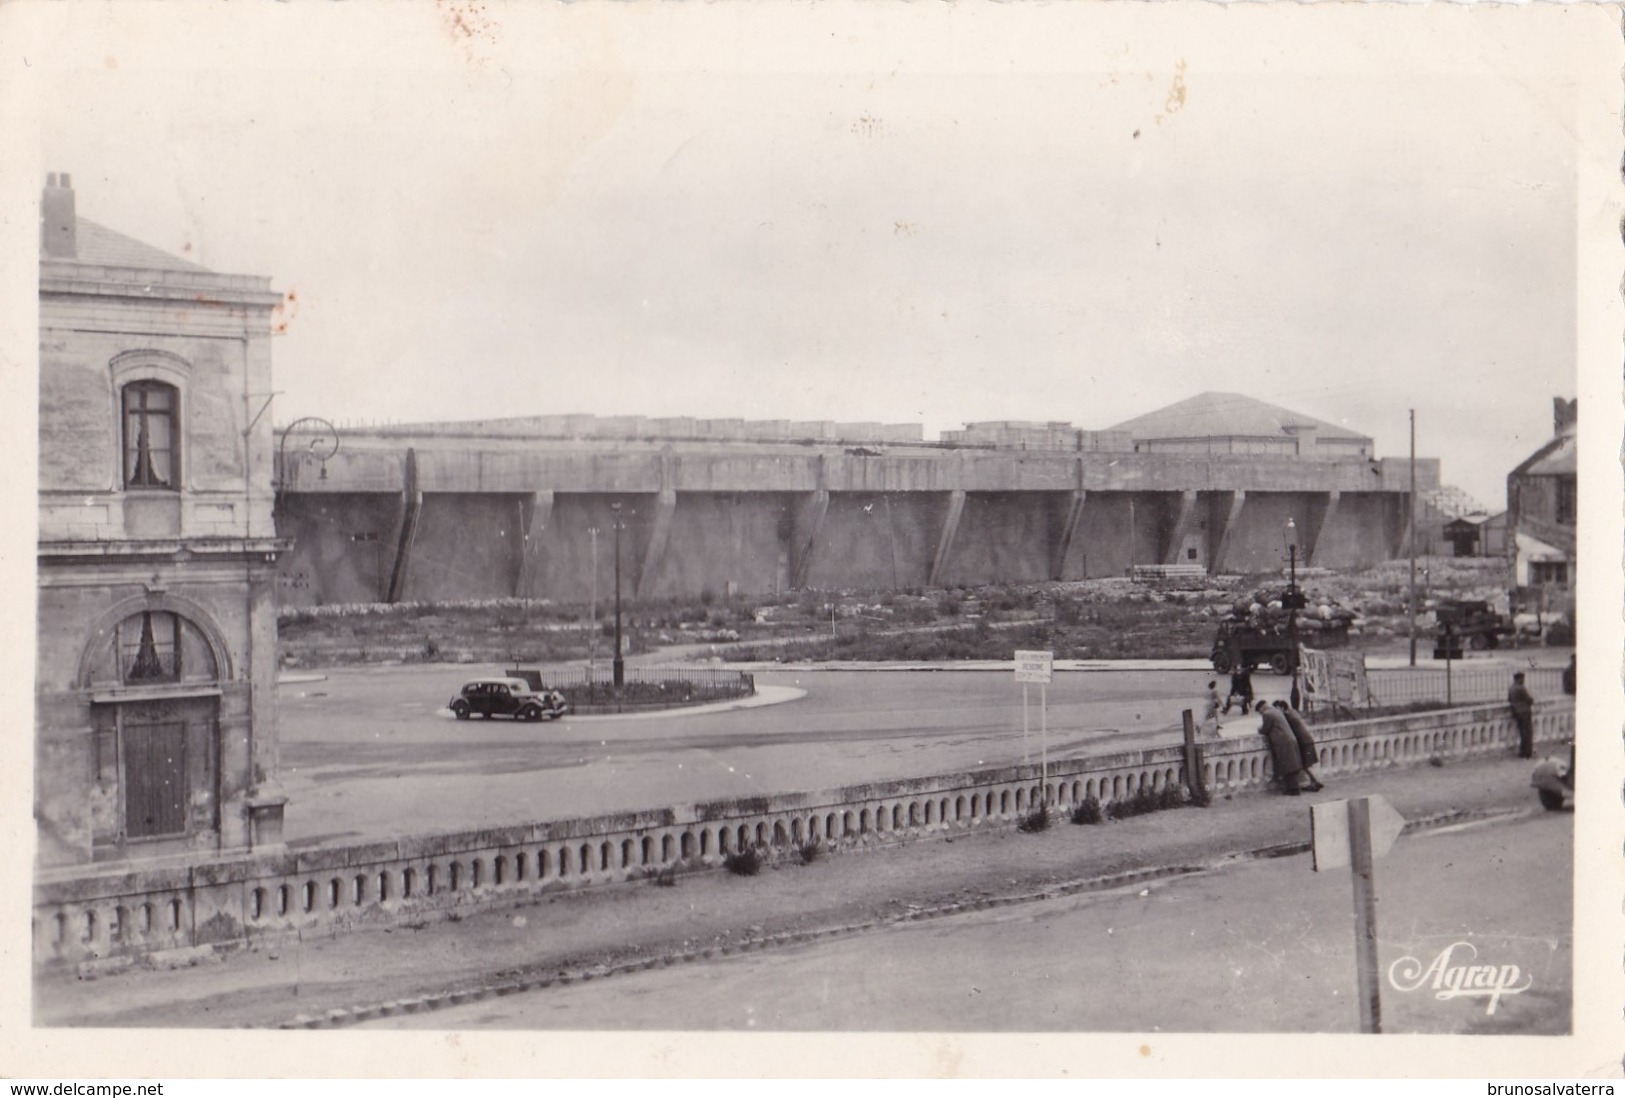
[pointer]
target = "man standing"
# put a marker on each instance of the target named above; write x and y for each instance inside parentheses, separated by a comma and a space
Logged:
(1283, 749)
(1306, 744)
(1522, 704)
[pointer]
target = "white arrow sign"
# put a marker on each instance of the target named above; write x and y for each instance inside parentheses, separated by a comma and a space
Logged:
(1329, 830)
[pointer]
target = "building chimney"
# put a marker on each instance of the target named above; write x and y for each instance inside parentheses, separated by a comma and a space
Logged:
(58, 222)
(1565, 415)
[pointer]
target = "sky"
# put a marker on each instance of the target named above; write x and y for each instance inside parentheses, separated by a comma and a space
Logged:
(866, 212)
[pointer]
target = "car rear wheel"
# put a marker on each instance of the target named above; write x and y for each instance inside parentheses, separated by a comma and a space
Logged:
(1221, 663)
(459, 709)
(1278, 663)
(1478, 642)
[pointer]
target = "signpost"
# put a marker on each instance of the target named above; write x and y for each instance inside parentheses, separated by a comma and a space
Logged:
(1356, 833)
(1036, 667)
(1194, 781)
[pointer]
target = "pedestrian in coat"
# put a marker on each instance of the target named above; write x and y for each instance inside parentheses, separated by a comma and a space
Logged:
(1522, 704)
(1283, 749)
(1569, 677)
(1306, 744)
(1210, 715)
(1241, 687)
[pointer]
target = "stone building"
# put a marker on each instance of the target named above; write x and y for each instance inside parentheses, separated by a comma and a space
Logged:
(156, 663)
(1543, 506)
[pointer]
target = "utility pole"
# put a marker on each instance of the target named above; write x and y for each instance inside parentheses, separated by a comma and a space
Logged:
(1292, 601)
(592, 640)
(618, 666)
(1411, 602)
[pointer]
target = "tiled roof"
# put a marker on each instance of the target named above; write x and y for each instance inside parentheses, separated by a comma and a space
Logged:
(1227, 415)
(100, 246)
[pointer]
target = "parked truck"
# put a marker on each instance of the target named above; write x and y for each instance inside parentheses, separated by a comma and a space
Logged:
(1467, 623)
(1258, 634)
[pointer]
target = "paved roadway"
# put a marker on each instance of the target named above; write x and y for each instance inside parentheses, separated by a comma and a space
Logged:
(370, 753)
(366, 748)
(1256, 946)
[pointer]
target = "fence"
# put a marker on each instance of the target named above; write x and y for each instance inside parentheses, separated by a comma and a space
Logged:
(592, 690)
(125, 911)
(1458, 685)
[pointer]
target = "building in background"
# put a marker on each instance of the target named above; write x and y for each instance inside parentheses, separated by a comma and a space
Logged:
(156, 662)
(1543, 516)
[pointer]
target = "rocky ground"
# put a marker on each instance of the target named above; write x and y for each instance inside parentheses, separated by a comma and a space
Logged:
(1101, 619)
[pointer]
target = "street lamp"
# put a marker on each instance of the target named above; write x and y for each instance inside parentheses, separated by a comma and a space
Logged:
(618, 665)
(1293, 602)
(322, 446)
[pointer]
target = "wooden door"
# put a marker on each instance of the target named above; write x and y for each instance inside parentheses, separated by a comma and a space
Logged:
(154, 779)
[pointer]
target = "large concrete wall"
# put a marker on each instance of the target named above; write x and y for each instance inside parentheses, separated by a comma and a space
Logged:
(514, 517)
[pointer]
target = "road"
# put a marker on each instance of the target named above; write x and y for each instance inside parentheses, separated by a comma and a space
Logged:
(367, 748)
(1255, 946)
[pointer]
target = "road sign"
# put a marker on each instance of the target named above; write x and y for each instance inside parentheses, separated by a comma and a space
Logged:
(1356, 833)
(1329, 831)
(1034, 666)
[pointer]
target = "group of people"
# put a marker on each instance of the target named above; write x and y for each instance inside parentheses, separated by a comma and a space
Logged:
(1292, 748)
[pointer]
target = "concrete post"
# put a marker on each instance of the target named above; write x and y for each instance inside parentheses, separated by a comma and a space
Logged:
(535, 512)
(809, 521)
(1328, 511)
(659, 535)
(1232, 518)
(945, 542)
(1181, 528)
(1063, 545)
(411, 509)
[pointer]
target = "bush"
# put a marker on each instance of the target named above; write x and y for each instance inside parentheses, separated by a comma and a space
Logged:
(1138, 805)
(744, 863)
(1033, 822)
(666, 878)
(1171, 796)
(1088, 812)
(809, 852)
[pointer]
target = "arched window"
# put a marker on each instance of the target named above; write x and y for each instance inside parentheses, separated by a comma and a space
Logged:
(151, 435)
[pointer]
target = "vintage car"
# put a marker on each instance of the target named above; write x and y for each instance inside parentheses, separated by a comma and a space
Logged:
(505, 697)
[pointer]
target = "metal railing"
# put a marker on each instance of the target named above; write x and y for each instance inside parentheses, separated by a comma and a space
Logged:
(1458, 685)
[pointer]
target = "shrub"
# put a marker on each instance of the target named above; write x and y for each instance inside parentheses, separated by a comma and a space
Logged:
(1088, 812)
(744, 863)
(1171, 796)
(1138, 805)
(1201, 797)
(809, 852)
(667, 877)
(1035, 821)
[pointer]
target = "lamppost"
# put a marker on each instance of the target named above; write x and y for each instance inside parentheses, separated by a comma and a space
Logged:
(619, 665)
(1293, 602)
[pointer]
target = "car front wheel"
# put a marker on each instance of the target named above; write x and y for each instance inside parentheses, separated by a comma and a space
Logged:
(1551, 800)
(459, 710)
(530, 713)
